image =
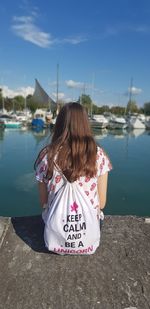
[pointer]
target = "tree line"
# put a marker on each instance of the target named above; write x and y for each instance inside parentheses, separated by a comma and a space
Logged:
(18, 103)
(131, 107)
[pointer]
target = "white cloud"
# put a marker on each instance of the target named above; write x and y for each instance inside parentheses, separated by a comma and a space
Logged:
(121, 28)
(11, 93)
(72, 84)
(61, 95)
(143, 29)
(134, 90)
(111, 31)
(67, 100)
(83, 86)
(74, 40)
(25, 27)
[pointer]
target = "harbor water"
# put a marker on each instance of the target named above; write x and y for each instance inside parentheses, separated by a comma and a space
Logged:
(129, 181)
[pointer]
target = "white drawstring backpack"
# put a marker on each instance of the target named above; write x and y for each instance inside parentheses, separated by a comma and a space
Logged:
(71, 222)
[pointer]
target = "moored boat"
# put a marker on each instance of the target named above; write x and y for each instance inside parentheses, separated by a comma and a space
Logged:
(7, 121)
(117, 123)
(12, 124)
(38, 123)
(147, 124)
(2, 125)
(99, 121)
(135, 123)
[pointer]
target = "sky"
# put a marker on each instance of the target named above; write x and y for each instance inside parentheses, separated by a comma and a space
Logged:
(99, 46)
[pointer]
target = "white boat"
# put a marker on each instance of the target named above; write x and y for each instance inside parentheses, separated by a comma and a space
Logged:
(3, 111)
(23, 116)
(135, 123)
(11, 124)
(147, 124)
(117, 123)
(40, 114)
(100, 121)
(7, 121)
(142, 118)
(13, 115)
(48, 116)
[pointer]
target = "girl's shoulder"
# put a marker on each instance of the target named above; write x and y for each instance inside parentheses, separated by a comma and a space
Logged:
(42, 157)
(41, 166)
(101, 152)
(103, 162)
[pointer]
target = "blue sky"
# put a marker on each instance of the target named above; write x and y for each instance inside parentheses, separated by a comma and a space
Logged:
(99, 45)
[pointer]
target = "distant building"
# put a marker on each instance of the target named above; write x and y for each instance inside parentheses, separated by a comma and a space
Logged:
(40, 96)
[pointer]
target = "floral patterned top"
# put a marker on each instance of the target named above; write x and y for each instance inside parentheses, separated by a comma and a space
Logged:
(89, 184)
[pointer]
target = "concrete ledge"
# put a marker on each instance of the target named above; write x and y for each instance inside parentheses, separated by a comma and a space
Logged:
(116, 277)
(4, 225)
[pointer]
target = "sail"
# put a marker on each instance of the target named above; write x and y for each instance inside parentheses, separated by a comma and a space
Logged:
(40, 96)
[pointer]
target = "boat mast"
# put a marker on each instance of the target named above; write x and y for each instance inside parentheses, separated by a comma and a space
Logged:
(49, 104)
(57, 86)
(93, 81)
(25, 103)
(81, 97)
(3, 103)
(130, 92)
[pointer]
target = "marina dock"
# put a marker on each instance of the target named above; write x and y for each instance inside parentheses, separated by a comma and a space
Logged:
(116, 277)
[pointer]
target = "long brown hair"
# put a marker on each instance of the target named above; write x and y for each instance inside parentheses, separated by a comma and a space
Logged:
(73, 146)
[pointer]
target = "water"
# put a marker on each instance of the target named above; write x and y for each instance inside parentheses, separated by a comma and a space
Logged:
(129, 181)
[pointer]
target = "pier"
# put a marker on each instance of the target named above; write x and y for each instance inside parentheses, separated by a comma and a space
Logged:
(117, 276)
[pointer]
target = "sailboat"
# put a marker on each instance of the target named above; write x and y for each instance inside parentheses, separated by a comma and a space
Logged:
(7, 121)
(117, 123)
(98, 121)
(134, 121)
(147, 123)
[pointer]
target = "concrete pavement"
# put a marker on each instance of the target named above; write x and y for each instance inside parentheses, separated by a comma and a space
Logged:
(117, 276)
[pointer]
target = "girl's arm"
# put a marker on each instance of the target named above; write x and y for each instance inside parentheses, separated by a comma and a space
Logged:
(42, 187)
(102, 189)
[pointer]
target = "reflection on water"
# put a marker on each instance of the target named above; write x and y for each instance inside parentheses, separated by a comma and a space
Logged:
(100, 134)
(41, 135)
(114, 132)
(136, 132)
(128, 190)
(119, 133)
(25, 182)
(1, 134)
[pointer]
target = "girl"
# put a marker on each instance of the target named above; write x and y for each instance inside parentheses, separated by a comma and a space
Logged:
(74, 150)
